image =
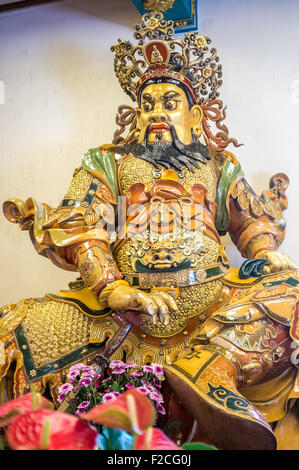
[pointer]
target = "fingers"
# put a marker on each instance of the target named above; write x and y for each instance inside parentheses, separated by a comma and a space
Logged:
(163, 311)
(166, 304)
(275, 262)
(157, 304)
(168, 299)
(290, 264)
(278, 262)
(147, 305)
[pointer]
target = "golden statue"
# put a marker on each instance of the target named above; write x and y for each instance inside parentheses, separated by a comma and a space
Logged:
(142, 223)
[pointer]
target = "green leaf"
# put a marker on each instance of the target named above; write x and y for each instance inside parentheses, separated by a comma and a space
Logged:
(197, 446)
(115, 387)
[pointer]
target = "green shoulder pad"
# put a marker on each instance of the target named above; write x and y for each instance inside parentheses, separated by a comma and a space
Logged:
(95, 160)
(229, 173)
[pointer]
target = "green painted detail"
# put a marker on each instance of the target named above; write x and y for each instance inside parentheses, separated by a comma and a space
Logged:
(82, 306)
(229, 400)
(197, 446)
(290, 282)
(229, 173)
(52, 367)
(95, 160)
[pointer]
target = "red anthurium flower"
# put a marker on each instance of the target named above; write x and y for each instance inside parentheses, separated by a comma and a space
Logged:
(50, 430)
(154, 439)
(28, 402)
(131, 411)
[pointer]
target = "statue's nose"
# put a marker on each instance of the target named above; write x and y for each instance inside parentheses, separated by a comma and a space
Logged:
(158, 114)
(158, 117)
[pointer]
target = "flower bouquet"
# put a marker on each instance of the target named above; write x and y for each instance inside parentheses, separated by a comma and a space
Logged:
(86, 389)
(117, 412)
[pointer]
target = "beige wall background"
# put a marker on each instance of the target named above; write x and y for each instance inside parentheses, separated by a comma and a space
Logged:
(61, 97)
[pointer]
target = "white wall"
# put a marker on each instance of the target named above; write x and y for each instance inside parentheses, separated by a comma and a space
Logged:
(61, 97)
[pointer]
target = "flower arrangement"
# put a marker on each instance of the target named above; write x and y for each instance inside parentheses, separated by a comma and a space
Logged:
(118, 412)
(86, 389)
(31, 423)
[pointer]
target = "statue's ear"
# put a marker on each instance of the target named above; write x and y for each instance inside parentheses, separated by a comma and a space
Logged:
(196, 115)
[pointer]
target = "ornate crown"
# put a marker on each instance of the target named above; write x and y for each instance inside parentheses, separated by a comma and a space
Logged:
(157, 55)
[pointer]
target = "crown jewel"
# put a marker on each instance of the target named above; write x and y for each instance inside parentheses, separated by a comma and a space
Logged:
(157, 55)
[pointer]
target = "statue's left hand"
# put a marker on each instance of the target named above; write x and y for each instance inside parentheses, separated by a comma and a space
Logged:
(157, 304)
(277, 261)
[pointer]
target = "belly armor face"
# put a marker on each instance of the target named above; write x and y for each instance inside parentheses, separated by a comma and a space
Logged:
(176, 244)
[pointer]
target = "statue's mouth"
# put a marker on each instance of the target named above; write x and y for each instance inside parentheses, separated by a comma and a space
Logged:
(161, 266)
(159, 128)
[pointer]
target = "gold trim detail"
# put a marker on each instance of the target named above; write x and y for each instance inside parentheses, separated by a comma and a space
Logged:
(54, 329)
(159, 5)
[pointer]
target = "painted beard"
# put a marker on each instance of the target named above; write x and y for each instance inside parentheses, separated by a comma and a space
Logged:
(174, 155)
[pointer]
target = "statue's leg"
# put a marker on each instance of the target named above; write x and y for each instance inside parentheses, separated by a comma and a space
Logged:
(206, 382)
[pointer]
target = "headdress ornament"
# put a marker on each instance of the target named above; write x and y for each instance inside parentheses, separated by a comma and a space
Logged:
(157, 55)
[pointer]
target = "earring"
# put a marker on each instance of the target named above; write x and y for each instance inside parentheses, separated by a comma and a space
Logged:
(198, 132)
(133, 135)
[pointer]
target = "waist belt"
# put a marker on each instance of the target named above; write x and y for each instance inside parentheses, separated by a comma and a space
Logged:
(181, 278)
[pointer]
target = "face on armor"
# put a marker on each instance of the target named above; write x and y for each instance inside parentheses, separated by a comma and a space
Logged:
(163, 104)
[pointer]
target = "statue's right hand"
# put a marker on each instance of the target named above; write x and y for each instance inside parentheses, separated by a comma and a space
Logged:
(157, 304)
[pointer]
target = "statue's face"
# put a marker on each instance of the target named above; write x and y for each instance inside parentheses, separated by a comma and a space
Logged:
(163, 104)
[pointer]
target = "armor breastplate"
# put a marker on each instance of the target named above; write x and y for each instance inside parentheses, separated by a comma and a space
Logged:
(133, 170)
(186, 257)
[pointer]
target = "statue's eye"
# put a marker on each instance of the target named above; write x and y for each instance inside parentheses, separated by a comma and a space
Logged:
(147, 106)
(171, 105)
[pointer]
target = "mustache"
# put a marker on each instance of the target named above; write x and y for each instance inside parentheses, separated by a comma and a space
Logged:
(169, 155)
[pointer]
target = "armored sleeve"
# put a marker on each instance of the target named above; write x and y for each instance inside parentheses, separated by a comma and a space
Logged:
(255, 223)
(76, 235)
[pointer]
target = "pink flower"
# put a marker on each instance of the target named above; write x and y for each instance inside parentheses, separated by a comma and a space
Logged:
(158, 370)
(160, 409)
(148, 385)
(129, 385)
(130, 365)
(106, 380)
(87, 368)
(77, 367)
(73, 374)
(109, 397)
(136, 374)
(114, 364)
(61, 397)
(83, 405)
(157, 383)
(118, 370)
(156, 396)
(147, 369)
(143, 390)
(85, 382)
(96, 384)
(89, 373)
(65, 388)
(107, 390)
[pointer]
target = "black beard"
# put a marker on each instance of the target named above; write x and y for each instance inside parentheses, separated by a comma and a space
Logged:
(169, 155)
